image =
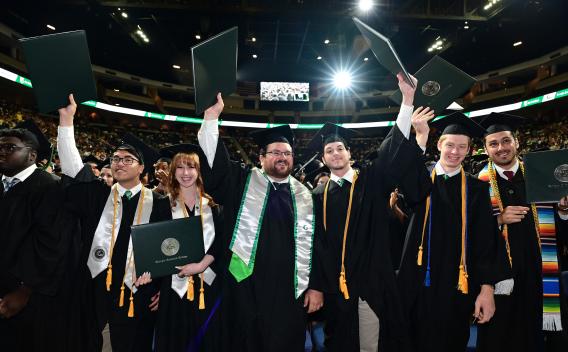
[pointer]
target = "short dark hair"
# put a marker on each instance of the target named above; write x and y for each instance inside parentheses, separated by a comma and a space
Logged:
(164, 159)
(28, 139)
(133, 151)
(335, 138)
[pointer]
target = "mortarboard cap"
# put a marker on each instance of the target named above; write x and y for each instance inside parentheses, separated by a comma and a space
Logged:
(331, 133)
(499, 122)
(45, 148)
(172, 150)
(383, 50)
(58, 65)
(439, 84)
(280, 134)
(214, 68)
(145, 153)
(458, 123)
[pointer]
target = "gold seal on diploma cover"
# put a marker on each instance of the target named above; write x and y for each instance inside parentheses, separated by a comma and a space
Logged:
(431, 88)
(170, 246)
(561, 173)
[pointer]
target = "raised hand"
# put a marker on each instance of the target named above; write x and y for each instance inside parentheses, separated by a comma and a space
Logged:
(420, 118)
(66, 114)
(213, 112)
(406, 89)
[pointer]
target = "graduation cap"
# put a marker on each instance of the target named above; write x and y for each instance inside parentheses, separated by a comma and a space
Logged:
(280, 134)
(214, 68)
(172, 150)
(331, 133)
(439, 84)
(383, 49)
(458, 123)
(146, 154)
(311, 176)
(45, 148)
(499, 122)
(93, 159)
(59, 64)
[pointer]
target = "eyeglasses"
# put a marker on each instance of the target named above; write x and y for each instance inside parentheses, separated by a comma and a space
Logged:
(127, 160)
(277, 153)
(10, 148)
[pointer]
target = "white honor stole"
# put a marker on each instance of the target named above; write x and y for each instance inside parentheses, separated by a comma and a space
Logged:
(179, 284)
(99, 255)
(249, 223)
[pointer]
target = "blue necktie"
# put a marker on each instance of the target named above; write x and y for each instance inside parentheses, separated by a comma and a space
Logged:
(9, 184)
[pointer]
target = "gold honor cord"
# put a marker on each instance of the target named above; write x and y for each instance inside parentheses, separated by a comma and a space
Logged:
(463, 276)
(497, 195)
(342, 279)
(130, 261)
(190, 293)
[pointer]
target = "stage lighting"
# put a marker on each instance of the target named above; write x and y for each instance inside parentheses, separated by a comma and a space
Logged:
(342, 80)
(319, 58)
(197, 36)
(365, 5)
(326, 41)
(177, 67)
(51, 27)
(517, 43)
(124, 14)
(254, 56)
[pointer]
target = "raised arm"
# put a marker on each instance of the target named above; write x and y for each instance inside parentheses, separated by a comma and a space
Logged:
(71, 162)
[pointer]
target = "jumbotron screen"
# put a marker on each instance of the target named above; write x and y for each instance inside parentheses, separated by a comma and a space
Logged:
(284, 91)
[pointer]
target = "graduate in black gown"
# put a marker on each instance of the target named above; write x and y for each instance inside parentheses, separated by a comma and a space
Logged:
(268, 219)
(33, 249)
(534, 304)
(452, 259)
(356, 270)
(189, 317)
(106, 276)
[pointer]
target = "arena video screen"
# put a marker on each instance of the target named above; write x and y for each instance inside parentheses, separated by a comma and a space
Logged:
(284, 91)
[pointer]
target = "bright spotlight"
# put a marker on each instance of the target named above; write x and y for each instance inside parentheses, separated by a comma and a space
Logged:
(365, 5)
(326, 41)
(318, 58)
(124, 14)
(342, 80)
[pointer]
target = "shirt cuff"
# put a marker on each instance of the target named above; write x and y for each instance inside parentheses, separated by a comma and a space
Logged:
(404, 119)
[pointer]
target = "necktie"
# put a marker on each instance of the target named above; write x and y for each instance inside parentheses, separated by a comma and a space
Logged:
(340, 182)
(509, 174)
(128, 194)
(9, 184)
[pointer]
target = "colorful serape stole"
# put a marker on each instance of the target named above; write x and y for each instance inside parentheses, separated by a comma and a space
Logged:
(547, 237)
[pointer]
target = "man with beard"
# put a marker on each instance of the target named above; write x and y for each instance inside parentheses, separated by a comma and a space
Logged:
(529, 231)
(32, 248)
(357, 275)
(269, 230)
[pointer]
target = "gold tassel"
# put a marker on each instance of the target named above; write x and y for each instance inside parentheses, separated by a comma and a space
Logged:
(462, 281)
(419, 259)
(131, 307)
(109, 277)
(190, 295)
(202, 295)
(121, 300)
(343, 285)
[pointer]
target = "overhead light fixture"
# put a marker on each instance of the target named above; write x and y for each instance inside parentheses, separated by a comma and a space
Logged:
(466, 27)
(254, 56)
(430, 49)
(117, 104)
(51, 27)
(116, 90)
(177, 67)
(342, 80)
(319, 58)
(253, 39)
(124, 15)
(365, 5)
(145, 39)
(517, 43)
(366, 59)
(198, 37)
(326, 41)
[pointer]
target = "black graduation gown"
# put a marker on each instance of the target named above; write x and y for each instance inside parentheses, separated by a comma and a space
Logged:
(368, 264)
(261, 312)
(517, 324)
(440, 315)
(181, 325)
(97, 307)
(33, 251)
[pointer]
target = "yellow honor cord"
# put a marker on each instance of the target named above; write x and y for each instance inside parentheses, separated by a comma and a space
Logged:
(112, 239)
(201, 294)
(342, 276)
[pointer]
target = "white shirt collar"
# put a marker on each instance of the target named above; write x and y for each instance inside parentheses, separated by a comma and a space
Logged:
(513, 168)
(347, 177)
(134, 189)
(272, 180)
(440, 170)
(22, 175)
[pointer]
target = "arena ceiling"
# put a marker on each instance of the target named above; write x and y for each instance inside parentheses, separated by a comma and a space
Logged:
(289, 35)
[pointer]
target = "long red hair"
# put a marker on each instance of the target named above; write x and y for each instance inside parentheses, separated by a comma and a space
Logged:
(192, 160)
